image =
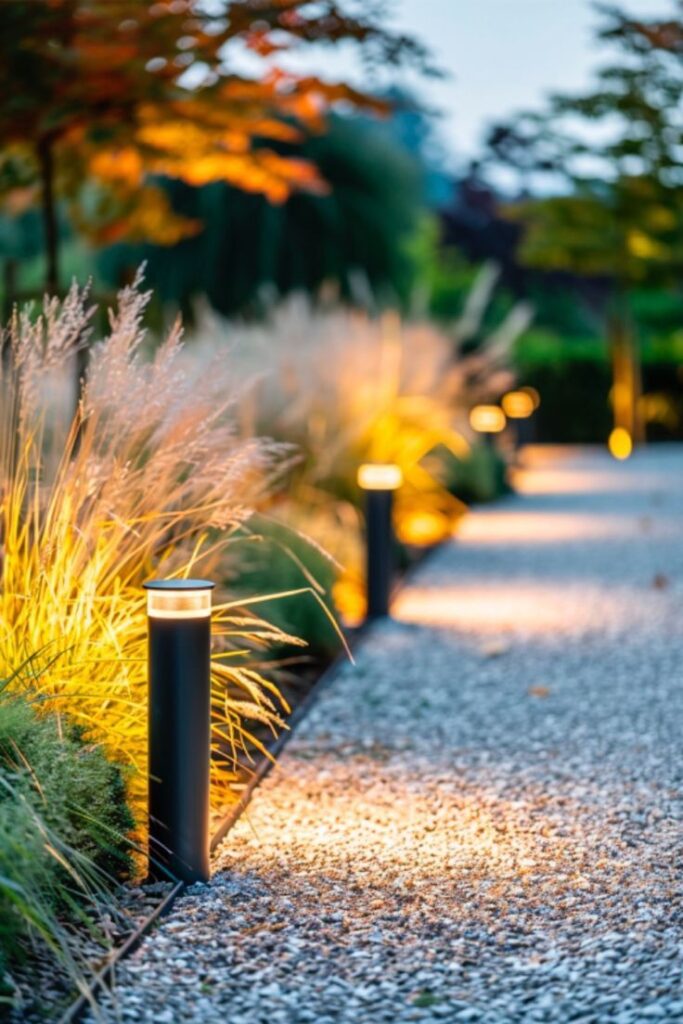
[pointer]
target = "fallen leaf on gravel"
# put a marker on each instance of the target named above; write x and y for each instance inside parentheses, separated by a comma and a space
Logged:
(494, 650)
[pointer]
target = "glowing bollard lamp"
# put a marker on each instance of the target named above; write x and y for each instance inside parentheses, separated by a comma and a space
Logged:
(487, 420)
(520, 407)
(379, 481)
(179, 619)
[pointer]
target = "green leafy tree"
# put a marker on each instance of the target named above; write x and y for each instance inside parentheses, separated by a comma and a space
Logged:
(612, 160)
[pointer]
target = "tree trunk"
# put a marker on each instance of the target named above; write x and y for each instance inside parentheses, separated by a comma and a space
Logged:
(627, 387)
(47, 172)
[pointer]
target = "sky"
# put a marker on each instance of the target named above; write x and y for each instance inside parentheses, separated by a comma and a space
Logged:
(504, 55)
(499, 55)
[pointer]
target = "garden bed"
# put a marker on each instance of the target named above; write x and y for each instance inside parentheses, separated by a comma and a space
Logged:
(96, 501)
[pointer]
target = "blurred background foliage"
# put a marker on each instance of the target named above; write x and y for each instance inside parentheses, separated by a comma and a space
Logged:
(579, 204)
(249, 248)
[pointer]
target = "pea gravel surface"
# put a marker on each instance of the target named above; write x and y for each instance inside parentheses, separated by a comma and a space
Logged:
(481, 819)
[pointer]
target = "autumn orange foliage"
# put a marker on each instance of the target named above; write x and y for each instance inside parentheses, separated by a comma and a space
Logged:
(121, 90)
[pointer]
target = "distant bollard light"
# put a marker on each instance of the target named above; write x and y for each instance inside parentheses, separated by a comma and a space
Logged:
(520, 406)
(179, 620)
(379, 476)
(517, 405)
(487, 420)
(533, 395)
(379, 481)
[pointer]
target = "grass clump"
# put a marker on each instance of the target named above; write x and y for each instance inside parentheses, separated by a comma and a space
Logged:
(149, 476)
(348, 386)
(140, 470)
(278, 559)
(77, 790)
(63, 844)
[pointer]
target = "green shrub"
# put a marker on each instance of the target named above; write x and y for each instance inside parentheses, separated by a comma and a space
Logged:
(478, 478)
(63, 827)
(277, 559)
(573, 376)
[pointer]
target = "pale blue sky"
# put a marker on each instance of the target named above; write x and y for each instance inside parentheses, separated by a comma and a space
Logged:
(502, 55)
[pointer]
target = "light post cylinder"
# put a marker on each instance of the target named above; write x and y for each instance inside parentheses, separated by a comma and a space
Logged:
(525, 431)
(379, 483)
(379, 552)
(179, 672)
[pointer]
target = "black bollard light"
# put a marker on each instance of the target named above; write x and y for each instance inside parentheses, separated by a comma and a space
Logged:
(379, 481)
(179, 621)
(520, 406)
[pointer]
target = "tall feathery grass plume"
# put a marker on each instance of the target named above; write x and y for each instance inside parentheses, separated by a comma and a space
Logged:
(347, 387)
(148, 476)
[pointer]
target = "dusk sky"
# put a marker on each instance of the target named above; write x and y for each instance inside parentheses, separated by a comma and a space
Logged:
(500, 56)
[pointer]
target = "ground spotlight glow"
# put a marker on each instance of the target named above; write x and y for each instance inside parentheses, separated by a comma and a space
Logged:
(620, 443)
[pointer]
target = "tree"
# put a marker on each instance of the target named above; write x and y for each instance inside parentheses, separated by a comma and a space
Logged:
(612, 160)
(246, 244)
(101, 95)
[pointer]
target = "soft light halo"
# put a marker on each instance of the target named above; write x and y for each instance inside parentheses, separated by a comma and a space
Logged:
(533, 395)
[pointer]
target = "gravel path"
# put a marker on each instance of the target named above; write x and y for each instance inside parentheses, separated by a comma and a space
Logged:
(481, 821)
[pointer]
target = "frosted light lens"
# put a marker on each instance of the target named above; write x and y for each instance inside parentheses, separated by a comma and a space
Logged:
(374, 476)
(179, 604)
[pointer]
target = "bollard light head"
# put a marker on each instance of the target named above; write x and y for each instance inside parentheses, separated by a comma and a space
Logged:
(379, 476)
(487, 419)
(518, 405)
(179, 599)
(533, 395)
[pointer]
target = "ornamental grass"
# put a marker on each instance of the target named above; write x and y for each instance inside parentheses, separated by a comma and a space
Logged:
(347, 387)
(138, 471)
(63, 846)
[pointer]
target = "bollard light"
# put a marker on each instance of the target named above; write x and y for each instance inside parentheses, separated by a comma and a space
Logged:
(379, 481)
(533, 395)
(520, 407)
(179, 622)
(487, 420)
